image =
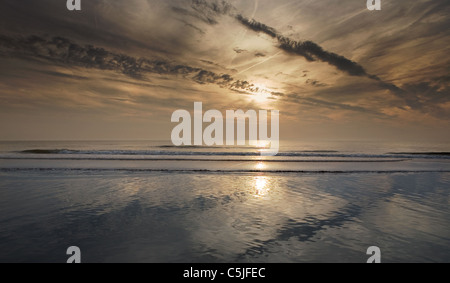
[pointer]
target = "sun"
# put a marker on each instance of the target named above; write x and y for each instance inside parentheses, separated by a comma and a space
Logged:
(261, 94)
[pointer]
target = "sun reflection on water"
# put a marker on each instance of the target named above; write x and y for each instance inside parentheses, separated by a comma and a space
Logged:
(261, 186)
(260, 166)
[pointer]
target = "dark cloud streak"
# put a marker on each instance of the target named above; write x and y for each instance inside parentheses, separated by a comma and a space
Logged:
(257, 26)
(59, 50)
(307, 49)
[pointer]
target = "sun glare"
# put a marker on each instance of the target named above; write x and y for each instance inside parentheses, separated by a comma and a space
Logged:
(263, 144)
(260, 166)
(261, 94)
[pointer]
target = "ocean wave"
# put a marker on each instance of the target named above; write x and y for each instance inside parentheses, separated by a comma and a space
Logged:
(239, 147)
(47, 151)
(249, 153)
(208, 147)
(106, 158)
(422, 153)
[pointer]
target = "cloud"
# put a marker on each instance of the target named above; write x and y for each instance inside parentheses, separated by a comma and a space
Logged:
(427, 97)
(207, 11)
(63, 75)
(193, 31)
(313, 52)
(315, 83)
(204, 76)
(200, 16)
(423, 97)
(309, 50)
(257, 26)
(333, 105)
(238, 50)
(59, 50)
(212, 8)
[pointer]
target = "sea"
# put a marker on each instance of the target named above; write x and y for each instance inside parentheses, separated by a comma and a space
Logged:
(152, 202)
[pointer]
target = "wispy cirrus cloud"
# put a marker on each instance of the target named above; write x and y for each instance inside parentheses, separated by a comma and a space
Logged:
(309, 50)
(422, 96)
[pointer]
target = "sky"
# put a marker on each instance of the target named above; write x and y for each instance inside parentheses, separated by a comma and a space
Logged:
(118, 69)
